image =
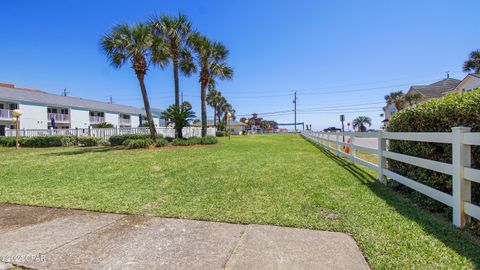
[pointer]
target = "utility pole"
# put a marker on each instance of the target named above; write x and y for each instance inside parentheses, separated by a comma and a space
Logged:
(295, 109)
(181, 98)
(65, 93)
(110, 100)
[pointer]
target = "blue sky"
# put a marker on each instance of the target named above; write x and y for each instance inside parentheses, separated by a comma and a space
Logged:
(340, 56)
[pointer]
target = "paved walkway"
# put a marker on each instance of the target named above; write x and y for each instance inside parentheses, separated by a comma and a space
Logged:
(48, 238)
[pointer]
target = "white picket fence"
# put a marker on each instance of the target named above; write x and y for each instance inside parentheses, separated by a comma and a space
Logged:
(106, 133)
(460, 169)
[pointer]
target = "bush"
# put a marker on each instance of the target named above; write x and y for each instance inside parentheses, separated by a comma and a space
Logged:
(120, 139)
(48, 141)
(170, 139)
(90, 141)
(8, 141)
(435, 115)
(162, 142)
(209, 140)
(220, 133)
(137, 143)
(186, 142)
(102, 125)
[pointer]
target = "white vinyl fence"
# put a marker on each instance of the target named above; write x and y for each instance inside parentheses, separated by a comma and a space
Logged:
(106, 133)
(460, 169)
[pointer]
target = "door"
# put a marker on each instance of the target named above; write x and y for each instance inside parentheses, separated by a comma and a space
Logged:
(2, 130)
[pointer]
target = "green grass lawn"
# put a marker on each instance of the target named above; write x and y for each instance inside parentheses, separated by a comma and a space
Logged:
(266, 179)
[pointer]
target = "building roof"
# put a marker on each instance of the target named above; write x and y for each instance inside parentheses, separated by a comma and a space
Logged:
(437, 89)
(475, 75)
(37, 96)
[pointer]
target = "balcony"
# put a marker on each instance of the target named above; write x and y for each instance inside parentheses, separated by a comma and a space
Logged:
(6, 114)
(97, 119)
(125, 122)
(59, 118)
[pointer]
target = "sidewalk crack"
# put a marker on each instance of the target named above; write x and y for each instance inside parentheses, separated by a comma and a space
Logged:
(234, 250)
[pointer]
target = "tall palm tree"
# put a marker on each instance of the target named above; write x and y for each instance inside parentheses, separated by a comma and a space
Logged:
(360, 123)
(210, 59)
(132, 43)
(174, 32)
(397, 98)
(215, 99)
(473, 62)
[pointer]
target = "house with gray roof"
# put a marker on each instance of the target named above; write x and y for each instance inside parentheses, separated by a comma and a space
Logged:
(470, 82)
(434, 90)
(42, 110)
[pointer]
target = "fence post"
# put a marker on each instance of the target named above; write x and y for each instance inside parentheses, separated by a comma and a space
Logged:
(89, 130)
(337, 144)
(76, 135)
(353, 151)
(461, 189)
(382, 146)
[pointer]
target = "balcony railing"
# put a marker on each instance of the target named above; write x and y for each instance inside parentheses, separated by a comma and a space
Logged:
(125, 122)
(59, 117)
(6, 114)
(97, 119)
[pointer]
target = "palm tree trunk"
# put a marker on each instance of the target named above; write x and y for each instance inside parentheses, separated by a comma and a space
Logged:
(175, 78)
(214, 115)
(146, 103)
(203, 97)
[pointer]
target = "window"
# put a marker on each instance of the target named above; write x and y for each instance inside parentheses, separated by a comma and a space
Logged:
(2, 106)
(64, 111)
(13, 106)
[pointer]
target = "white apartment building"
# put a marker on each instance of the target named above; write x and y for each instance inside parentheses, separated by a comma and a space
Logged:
(42, 110)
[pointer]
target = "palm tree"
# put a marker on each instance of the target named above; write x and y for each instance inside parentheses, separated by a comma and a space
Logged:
(180, 116)
(473, 62)
(360, 123)
(412, 99)
(215, 99)
(210, 58)
(172, 35)
(397, 98)
(132, 43)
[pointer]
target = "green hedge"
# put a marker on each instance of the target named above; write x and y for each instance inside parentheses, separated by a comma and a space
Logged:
(209, 140)
(120, 139)
(137, 143)
(48, 141)
(90, 141)
(220, 133)
(161, 142)
(435, 115)
(186, 142)
(8, 141)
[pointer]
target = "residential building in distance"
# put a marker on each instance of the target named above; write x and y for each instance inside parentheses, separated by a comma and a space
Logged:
(470, 82)
(42, 110)
(434, 90)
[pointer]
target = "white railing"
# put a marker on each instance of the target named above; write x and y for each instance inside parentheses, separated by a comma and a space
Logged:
(460, 169)
(106, 133)
(59, 117)
(124, 122)
(6, 114)
(97, 119)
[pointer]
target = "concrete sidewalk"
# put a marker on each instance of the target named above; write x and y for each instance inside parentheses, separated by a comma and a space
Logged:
(48, 238)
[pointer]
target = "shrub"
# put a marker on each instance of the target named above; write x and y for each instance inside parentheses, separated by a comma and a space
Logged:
(102, 125)
(137, 143)
(170, 139)
(90, 141)
(120, 139)
(8, 141)
(48, 141)
(435, 115)
(220, 133)
(209, 140)
(186, 142)
(162, 142)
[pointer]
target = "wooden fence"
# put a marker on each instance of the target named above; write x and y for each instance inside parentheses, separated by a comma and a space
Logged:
(106, 133)
(460, 169)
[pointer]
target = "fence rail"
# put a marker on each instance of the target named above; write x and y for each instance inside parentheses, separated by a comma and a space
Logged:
(462, 174)
(106, 133)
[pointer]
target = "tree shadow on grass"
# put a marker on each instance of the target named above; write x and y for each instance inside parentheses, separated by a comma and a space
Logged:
(84, 150)
(461, 241)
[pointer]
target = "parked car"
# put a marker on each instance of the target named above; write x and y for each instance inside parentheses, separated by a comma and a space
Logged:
(332, 129)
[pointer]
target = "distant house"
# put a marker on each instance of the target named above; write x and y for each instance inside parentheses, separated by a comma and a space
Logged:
(42, 110)
(470, 82)
(434, 90)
